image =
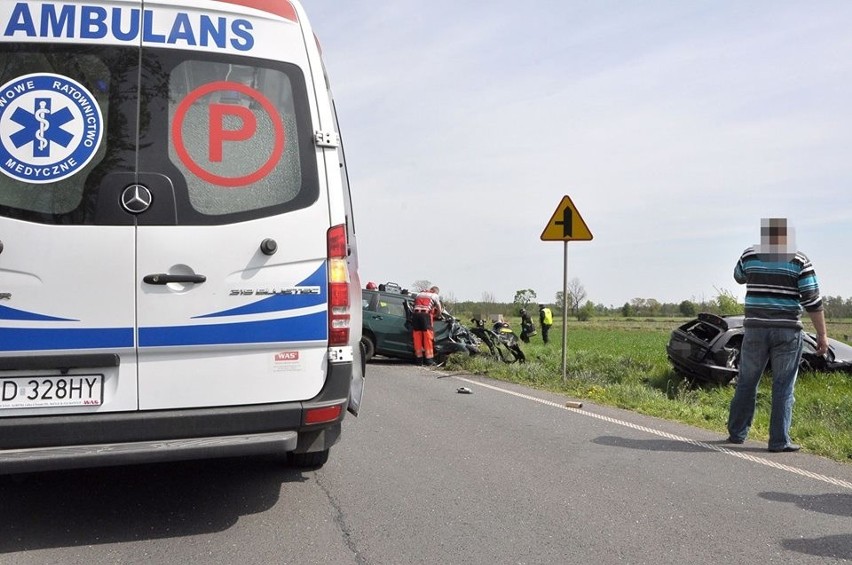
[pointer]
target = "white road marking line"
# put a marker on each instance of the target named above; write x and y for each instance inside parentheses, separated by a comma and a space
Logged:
(710, 446)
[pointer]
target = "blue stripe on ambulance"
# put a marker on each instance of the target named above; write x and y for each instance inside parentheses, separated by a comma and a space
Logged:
(39, 339)
(312, 327)
(7, 313)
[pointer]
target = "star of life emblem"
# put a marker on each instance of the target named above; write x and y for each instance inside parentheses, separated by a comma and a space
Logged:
(50, 127)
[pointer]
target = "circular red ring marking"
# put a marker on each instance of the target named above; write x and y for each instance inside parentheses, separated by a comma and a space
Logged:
(180, 148)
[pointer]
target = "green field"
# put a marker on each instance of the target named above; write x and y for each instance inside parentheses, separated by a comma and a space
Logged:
(622, 362)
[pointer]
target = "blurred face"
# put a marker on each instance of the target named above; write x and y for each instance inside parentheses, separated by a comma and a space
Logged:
(773, 231)
(776, 238)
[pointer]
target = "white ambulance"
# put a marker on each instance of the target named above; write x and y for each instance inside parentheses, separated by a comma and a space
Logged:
(178, 266)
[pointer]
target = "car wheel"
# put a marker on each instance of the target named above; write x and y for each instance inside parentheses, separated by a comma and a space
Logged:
(312, 460)
(369, 347)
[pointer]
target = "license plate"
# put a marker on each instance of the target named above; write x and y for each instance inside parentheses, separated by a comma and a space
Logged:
(51, 391)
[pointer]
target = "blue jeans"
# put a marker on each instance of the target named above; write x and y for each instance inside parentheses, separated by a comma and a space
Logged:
(783, 348)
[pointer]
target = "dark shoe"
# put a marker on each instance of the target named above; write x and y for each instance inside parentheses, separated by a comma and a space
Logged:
(789, 448)
(735, 440)
(430, 362)
(418, 361)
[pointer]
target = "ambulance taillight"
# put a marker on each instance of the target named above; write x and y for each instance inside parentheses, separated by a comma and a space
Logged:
(338, 287)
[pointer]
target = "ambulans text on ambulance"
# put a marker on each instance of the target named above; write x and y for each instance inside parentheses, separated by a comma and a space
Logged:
(81, 21)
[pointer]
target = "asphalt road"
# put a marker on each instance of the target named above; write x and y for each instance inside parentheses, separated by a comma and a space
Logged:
(428, 475)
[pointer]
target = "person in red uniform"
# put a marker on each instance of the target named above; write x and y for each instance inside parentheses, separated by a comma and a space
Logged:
(427, 309)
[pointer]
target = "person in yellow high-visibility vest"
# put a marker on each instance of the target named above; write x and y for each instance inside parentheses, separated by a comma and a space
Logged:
(545, 316)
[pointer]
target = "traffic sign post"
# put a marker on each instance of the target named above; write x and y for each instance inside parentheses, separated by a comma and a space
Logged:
(566, 225)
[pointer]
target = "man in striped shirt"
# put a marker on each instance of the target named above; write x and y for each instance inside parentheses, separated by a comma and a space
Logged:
(780, 283)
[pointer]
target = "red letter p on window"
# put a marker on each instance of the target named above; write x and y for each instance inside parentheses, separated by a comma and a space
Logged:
(219, 135)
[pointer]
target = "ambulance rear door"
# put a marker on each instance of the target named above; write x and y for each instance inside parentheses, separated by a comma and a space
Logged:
(233, 215)
(68, 131)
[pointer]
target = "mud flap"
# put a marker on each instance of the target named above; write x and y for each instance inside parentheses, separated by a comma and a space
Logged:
(356, 385)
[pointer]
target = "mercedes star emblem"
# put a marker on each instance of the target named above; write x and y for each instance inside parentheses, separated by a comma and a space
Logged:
(136, 199)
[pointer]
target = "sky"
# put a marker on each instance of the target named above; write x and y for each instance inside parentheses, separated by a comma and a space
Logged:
(674, 127)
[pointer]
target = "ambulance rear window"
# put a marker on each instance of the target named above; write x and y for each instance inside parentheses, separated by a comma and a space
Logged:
(234, 136)
(47, 101)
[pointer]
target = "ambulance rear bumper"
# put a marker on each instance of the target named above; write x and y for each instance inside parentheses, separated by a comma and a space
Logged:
(41, 443)
(103, 455)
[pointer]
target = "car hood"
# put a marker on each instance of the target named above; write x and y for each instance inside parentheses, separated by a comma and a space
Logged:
(842, 352)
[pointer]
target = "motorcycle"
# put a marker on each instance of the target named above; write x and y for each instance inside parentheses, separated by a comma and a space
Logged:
(500, 340)
(458, 339)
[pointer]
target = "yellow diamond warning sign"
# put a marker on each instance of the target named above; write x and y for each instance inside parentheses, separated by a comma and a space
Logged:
(566, 224)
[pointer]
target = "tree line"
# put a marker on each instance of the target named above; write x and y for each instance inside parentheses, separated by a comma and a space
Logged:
(837, 307)
(723, 304)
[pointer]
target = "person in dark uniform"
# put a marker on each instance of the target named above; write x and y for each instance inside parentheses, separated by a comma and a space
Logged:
(527, 327)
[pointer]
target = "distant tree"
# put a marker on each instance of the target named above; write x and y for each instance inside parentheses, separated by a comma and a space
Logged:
(558, 306)
(669, 309)
(448, 300)
(587, 312)
(653, 306)
(421, 285)
(836, 307)
(687, 308)
(488, 306)
(628, 310)
(638, 305)
(576, 295)
(726, 303)
(524, 298)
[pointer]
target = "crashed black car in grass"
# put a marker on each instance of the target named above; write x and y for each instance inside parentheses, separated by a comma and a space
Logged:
(708, 349)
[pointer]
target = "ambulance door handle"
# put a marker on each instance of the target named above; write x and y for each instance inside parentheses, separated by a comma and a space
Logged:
(164, 278)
